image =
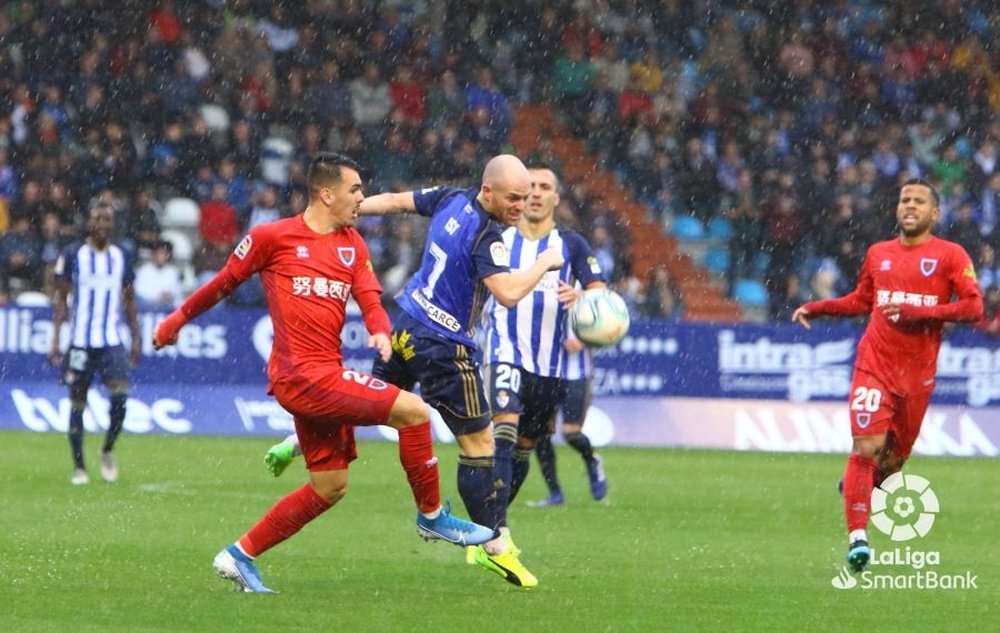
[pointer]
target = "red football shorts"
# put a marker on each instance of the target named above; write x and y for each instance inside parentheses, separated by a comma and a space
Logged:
(328, 406)
(876, 410)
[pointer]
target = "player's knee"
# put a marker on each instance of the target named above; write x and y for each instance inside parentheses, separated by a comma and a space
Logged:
(569, 428)
(868, 447)
(117, 388)
(330, 489)
(889, 462)
(408, 410)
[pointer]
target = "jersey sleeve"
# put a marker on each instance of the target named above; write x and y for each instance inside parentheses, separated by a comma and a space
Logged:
(489, 254)
(427, 201)
(63, 268)
(252, 253)
(364, 273)
(583, 263)
(128, 277)
(367, 290)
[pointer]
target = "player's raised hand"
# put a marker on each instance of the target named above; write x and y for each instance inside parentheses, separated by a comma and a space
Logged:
(168, 329)
(380, 341)
(553, 257)
(801, 315)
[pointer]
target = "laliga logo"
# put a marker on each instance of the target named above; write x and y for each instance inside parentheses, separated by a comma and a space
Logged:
(904, 507)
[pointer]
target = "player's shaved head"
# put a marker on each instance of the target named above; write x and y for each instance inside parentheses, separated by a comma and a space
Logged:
(505, 170)
(506, 185)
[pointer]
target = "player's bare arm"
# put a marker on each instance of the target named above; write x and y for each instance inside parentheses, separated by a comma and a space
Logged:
(59, 308)
(511, 287)
(388, 203)
(132, 316)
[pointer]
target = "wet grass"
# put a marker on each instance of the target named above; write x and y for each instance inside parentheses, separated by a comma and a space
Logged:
(688, 540)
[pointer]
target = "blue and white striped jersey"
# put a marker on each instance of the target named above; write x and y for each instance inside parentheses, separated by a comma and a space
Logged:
(97, 279)
(530, 335)
(463, 246)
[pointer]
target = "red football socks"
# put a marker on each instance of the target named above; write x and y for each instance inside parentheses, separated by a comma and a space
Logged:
(284, 519)
(858, 483)
(417, 457)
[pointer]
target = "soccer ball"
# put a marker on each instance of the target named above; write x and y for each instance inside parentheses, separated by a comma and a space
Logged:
(600, 318)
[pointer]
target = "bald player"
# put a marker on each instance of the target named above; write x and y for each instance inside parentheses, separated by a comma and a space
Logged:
(432, 339)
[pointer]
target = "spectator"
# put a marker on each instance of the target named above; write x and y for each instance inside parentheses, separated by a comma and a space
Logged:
(219, 222)
(484, 93)
(964, 228)
(20, 258)
(370, 102)
(158, 281)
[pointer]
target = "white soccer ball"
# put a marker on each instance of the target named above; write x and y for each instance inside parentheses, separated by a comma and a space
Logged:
(600, 318)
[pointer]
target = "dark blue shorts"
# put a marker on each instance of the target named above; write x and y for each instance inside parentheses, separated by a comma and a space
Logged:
(575, 398)
(532, 397)
(448, 373)
(81, 364)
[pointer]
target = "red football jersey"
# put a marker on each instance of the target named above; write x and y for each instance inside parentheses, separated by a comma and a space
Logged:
(307, 278)
(902, 351)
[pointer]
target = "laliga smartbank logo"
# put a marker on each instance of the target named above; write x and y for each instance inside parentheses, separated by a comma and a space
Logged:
(903, 508)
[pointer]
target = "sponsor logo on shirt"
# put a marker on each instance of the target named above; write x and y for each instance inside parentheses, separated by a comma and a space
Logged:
(499, 254)
(928, 266)
(899, 297)
(243, 247)
(320, 287)
(436, 314)
(346, 255)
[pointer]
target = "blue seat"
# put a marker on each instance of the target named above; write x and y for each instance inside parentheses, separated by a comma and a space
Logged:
(760, 263)
(685, 227)
(717, 259)
(720, 228)
(751, 293)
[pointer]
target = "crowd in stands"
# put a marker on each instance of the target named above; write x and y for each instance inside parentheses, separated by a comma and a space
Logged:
(794, 128)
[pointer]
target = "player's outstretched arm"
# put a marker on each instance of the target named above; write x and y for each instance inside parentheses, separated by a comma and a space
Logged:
(511, 287)
(388, 203)
(220, 287)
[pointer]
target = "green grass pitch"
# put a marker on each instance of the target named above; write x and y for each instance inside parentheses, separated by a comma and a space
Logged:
(688, 540)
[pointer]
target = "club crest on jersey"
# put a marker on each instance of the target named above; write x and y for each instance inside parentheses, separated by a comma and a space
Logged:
(503, 399)
(928, 266)
(243, 247)
(346, 255)
(863, 420)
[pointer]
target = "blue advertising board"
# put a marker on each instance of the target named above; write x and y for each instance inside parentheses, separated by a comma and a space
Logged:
(214, 381)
